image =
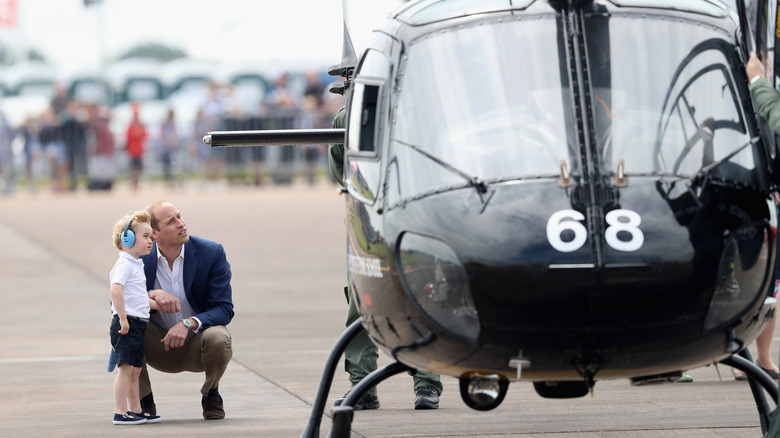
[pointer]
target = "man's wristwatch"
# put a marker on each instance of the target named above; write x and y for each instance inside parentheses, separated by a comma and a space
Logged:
(187, 323)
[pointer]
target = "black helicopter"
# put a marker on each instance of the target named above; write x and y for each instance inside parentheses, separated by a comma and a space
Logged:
(555, 191)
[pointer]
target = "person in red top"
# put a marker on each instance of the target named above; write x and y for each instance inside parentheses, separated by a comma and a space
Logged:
(136, 139)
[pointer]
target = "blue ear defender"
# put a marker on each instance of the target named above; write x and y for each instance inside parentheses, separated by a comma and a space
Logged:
(128, 236)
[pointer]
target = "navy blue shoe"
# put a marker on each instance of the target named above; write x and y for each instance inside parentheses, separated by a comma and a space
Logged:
(128, 419)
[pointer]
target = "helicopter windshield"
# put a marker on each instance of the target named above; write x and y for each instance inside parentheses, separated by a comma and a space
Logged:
(487, 101)
(668, 108)
(493, 100)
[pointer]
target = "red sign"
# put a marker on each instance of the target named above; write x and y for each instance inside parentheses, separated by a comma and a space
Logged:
(8, 13)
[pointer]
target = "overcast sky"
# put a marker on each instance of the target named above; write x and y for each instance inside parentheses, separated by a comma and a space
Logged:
(75, 36)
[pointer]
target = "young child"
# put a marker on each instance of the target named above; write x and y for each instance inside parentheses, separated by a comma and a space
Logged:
(130, 305)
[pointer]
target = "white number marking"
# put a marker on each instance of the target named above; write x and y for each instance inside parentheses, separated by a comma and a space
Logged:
(564, 220)
(618, 220)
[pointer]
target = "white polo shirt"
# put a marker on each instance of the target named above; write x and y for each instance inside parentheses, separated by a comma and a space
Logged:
(129, 272)
(172, 281)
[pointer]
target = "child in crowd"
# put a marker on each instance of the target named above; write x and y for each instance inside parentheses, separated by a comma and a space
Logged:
(130, 305)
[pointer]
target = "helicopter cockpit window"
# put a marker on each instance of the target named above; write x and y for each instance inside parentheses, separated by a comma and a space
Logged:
(368, 111)
(362, 128)
(464, 102)
(672, 109)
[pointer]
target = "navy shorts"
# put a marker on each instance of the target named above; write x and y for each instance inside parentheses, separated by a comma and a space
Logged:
(128, 348)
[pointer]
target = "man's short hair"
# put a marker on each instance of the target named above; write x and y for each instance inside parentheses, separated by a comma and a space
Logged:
(150, 209)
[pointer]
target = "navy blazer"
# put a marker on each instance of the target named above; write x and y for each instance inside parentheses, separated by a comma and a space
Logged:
(206, 280)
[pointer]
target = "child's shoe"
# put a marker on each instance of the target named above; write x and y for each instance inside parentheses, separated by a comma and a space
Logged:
(129, 418)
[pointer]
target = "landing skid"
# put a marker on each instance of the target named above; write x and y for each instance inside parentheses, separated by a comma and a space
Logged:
(342, 415)
(318, 407)
(758, 379)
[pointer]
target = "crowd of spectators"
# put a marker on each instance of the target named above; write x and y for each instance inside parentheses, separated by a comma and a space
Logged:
(76, 144)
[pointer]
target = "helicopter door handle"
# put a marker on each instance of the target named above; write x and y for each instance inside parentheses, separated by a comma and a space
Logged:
(627, 221)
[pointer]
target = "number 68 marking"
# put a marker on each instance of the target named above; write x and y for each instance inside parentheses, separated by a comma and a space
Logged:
(618, 220)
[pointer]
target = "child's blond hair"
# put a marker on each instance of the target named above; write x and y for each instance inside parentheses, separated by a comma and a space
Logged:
(139, 217)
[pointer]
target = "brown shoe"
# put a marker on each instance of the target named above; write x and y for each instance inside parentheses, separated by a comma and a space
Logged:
(212, 406)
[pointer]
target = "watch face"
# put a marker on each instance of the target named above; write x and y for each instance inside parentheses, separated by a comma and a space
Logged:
(186, 323)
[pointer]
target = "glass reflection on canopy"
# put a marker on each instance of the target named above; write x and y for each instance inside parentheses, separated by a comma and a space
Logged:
(654, 84)
(658, 97)
(489, 114)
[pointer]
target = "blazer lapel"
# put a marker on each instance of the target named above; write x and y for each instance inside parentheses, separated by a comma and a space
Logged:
(190, 266)
(150, 267)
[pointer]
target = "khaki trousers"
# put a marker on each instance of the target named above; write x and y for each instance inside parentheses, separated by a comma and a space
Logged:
(208, 351)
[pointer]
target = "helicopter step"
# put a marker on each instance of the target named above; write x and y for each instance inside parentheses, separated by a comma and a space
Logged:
(566, 389)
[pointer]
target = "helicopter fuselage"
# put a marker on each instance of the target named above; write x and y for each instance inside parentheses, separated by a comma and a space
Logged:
(558, 191)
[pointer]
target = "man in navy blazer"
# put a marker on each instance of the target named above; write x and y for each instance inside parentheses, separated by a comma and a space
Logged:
(189, 277)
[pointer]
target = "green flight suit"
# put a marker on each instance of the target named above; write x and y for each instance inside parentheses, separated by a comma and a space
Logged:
(361, 354)
(768, 102)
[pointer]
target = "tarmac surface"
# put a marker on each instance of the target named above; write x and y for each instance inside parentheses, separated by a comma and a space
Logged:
(286, 246)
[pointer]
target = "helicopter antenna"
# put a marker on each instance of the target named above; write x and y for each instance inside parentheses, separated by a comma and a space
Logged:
(348, 58)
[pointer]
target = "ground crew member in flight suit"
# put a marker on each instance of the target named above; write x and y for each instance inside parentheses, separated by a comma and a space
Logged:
(361, 354)
(766, 97)
(768, 103)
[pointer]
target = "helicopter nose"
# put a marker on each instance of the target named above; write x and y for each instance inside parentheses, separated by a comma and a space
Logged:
(433, 275)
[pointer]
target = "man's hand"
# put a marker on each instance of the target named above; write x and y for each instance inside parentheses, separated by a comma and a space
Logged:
(754, 67)
(175, 337)
(168, 302)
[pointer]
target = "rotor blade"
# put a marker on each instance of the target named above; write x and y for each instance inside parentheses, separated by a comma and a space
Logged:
(281, 137)
(348, 55)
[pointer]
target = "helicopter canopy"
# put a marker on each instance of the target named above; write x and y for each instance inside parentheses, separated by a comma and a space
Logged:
(483, 99)
(429, 11)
